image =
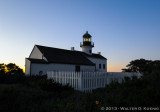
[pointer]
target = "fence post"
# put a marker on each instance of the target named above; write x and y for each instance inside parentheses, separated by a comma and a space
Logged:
(82, 82)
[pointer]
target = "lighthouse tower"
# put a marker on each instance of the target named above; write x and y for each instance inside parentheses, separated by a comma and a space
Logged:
(87, 44)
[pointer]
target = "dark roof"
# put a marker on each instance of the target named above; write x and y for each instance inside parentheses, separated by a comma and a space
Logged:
(37, 60)
(87, 35)
(95, 56)
(56, 55)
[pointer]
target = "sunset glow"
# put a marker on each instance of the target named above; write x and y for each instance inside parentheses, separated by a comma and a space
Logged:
(122, 30)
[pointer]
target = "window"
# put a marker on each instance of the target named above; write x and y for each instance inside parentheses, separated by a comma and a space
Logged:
(99, 66)
(77, 68)
(90, 51)
(103, 66)
(87, 39)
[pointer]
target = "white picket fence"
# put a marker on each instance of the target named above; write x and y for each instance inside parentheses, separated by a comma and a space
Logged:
(87, 81)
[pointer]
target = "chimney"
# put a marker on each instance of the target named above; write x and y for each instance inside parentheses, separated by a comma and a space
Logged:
(72, 48)
(99, 53)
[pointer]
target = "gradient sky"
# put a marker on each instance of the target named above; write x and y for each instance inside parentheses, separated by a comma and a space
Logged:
(122, 30)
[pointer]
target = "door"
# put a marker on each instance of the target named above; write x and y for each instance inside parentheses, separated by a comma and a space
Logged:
(77, 69)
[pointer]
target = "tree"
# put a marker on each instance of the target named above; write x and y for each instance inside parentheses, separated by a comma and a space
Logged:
(2, 69)
(143, 66)
(13, 69)
(138, 65)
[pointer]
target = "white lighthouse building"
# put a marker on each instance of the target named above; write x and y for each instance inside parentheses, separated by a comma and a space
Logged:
(43, 59)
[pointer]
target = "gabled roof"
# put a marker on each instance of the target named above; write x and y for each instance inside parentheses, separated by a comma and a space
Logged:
(56, 55)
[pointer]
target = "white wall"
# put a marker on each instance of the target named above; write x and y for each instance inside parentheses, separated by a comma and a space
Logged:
(99, 61)
(36, 54)
(27, 67)
(36, 68)
(87, 68)
(86, 49)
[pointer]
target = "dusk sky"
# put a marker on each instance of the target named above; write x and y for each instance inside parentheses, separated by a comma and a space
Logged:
(122, 30)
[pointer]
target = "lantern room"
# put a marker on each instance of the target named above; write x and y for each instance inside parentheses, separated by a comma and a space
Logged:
(87, 43)
(87, 37)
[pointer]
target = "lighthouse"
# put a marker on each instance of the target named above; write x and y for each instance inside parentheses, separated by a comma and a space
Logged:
(87, 43)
